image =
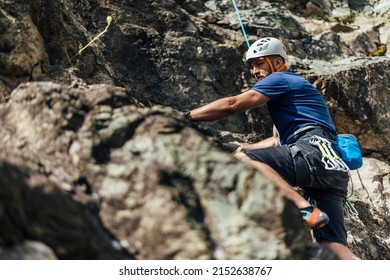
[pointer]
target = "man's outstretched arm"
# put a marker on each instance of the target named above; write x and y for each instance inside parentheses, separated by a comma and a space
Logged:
(227, 106)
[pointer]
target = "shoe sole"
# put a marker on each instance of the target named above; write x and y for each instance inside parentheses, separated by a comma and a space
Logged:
(317, 219)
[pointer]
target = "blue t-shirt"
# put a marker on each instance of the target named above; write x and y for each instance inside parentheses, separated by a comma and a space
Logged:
(295, 103)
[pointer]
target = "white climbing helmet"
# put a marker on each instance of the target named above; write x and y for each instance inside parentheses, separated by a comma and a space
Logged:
(265, 47)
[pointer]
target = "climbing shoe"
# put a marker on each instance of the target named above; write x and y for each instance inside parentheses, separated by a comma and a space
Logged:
(314, 217)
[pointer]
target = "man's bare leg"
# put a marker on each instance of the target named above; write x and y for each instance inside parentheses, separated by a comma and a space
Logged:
(275, 178)
(340, 250)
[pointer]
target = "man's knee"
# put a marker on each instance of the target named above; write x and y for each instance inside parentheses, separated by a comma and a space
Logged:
(241, 156)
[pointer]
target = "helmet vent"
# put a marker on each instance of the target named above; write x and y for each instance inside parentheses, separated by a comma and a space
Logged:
(263, 47)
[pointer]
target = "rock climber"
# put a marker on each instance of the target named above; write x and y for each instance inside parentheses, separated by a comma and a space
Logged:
(302, 151)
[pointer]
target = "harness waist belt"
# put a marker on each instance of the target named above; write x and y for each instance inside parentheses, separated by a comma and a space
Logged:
(302, 129)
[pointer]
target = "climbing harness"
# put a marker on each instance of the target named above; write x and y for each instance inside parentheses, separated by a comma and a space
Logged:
(241, 24)
(300, 131)
(330, 159)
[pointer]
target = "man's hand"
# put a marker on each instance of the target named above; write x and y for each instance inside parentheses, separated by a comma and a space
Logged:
(243, 148)
(239, 149)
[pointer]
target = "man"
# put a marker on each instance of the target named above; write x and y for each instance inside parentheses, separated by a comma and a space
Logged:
(302, 152)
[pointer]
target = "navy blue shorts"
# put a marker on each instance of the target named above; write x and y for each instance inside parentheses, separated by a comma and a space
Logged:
(300, 164)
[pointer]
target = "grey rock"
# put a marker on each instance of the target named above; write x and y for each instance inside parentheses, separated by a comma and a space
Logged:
(95, 156)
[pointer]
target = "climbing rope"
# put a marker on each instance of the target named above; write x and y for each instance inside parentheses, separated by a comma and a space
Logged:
(241, 24)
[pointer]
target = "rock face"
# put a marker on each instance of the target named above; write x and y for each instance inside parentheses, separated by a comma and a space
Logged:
(96, 163)
(101, 174)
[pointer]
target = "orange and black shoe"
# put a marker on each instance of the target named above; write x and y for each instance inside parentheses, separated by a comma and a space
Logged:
(314, 217)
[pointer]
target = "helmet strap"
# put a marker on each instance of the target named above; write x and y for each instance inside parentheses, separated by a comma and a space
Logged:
(269, 64)
(281, 67)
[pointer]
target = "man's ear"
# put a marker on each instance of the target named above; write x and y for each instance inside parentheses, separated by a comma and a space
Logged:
(279, 61)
